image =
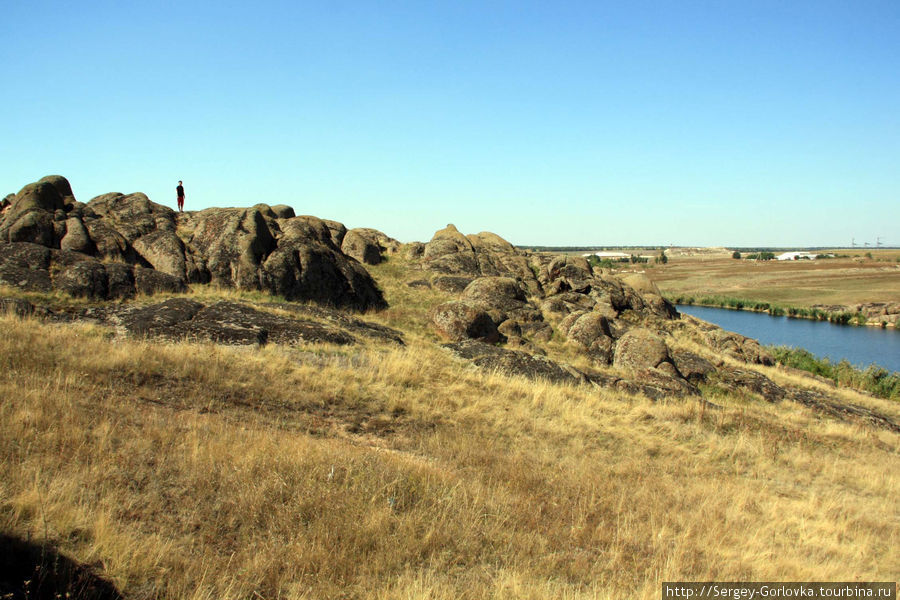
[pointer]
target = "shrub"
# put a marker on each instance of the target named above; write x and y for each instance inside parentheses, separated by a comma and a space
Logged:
(736, 255)
(873, 379)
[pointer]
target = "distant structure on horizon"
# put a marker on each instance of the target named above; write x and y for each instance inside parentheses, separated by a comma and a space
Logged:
(607, 254)
(799, 256)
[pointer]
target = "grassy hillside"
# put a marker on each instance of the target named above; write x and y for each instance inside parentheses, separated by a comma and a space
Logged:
(185, 470)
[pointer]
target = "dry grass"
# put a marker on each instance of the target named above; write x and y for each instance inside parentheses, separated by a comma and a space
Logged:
(197, 471)
(795, 283)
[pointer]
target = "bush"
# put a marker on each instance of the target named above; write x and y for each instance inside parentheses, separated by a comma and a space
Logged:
(872, 379)
(736, 255)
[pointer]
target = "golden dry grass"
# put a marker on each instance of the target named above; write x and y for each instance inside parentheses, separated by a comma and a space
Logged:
(796, 283)
(198, 471)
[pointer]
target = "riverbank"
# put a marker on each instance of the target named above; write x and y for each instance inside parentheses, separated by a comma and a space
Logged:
(870, 314)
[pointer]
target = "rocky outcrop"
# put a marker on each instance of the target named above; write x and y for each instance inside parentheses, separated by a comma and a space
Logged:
(259, 248)
(36, 268)
(485, 254)
(879, 314)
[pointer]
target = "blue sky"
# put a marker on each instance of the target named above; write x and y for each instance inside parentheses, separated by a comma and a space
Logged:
(552, 123)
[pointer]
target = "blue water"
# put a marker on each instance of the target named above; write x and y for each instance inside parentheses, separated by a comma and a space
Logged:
(862, 346)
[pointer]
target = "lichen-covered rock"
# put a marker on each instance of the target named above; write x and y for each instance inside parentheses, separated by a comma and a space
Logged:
(26, 266)
(342, 320)
(751, 381)
(656, 385)
(738, 346)
(691, 366)
(40, 269)
(368, 245)
(640, 349)
(223, 322)
(283, 211)
(16, 306)
(515, 362)
(337, 232)
(458, 321)
(588, 328)
(362, 249)
(414, 250)
(76, 238)
(500, 297)
(450, 283)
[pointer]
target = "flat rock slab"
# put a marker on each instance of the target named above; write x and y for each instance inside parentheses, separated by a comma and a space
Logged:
(514, 362)
(344, 321)
(223, 322)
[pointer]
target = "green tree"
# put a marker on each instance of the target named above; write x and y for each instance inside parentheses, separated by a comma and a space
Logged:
(736, 254)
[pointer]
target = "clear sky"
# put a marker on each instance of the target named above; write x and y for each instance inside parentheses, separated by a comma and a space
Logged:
(551, 123)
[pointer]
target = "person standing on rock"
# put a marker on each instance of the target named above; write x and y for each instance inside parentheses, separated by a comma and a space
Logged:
(180, 191)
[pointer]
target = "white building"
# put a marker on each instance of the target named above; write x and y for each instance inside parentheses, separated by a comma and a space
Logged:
(796, 255)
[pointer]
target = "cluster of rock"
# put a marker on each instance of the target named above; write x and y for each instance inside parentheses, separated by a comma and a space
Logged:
(108, 247)
(525, 299)
(512, 303)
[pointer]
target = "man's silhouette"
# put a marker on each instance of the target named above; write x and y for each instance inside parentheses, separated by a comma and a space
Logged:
(180, 191)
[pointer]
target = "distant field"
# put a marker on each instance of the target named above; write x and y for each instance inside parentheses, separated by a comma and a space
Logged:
(798, 283)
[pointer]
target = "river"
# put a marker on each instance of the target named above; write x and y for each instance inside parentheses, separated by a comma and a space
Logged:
(862, 346)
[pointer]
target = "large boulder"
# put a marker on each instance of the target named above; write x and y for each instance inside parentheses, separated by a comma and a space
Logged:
(737, 346)
(368, 245)
(591, 332)
(458, 321)
(640, 349)
(77, 238)
(450, 252)
(692, 367)
(363, 249)
(501, 297)
(32, 215)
